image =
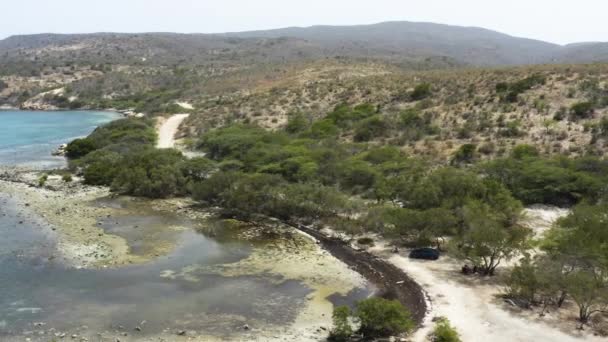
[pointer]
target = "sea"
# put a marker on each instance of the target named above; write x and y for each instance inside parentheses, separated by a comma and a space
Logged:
(28, 138)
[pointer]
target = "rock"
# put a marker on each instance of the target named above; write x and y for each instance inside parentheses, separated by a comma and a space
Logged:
(138, 328)
(246, 326)
(181, 332)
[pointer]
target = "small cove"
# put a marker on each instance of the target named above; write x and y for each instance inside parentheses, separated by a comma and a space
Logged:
(44, 298)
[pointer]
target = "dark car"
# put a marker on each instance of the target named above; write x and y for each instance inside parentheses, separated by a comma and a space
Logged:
(425, 253)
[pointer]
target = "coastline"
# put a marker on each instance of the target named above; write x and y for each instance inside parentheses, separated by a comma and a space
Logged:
(69, 210)
(392, 282)
(80, 241)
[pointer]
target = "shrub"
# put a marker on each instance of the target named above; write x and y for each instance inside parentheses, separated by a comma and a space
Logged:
(67, 178)
(297, 123)
(522, 151)
(380, 317)
(365, 241)
(42, 180)
(465, 154)
(370, 128)
(151, 173)
(421, 92)
(80, 148)
(582, 110)
(342, 329)
(444, 332)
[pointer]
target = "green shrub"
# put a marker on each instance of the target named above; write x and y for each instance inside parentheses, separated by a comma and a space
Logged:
(297, 123)
(523, 151)
(444, 332)
(582, 110)
(67, 178)
(370, 128)
(421, 92)
(342, 329)
(465, 154)
(151, 173)
(380, 317)
(80, 148)
(42, 180)
(365, 241)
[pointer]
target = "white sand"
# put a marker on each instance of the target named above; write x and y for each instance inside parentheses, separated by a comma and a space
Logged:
(168, 129)
(470, 303)
(540, 218)
(185, 105)
(473, 309)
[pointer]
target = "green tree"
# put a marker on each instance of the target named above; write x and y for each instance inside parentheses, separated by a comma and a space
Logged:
(589, 290)
(488, 239)
(523, 281)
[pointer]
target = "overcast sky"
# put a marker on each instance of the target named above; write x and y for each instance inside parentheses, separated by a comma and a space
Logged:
(559, 21)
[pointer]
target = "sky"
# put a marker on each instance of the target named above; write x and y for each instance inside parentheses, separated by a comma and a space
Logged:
(557, 21)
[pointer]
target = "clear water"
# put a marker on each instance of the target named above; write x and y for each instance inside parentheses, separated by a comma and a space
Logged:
(36, 286)
(27, 138)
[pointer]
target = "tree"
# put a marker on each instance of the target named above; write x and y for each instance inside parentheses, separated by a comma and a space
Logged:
(580, 240)
(380, 317)
(523, 282)
(488, 238)
(590, 292)
(342, 329)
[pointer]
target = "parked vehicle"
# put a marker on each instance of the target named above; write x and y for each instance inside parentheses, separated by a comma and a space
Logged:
(425, 254)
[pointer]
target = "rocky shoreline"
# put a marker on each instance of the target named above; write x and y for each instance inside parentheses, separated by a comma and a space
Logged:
(391, 281)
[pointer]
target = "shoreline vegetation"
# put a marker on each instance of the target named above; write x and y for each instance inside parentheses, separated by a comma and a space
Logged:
(306, 174)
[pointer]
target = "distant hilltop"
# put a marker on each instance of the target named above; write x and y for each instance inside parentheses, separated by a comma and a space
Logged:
(388, 41)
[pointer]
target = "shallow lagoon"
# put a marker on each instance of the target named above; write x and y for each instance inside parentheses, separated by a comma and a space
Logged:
(186, 289)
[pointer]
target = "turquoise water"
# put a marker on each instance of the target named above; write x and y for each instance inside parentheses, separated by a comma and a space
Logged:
(27, 138)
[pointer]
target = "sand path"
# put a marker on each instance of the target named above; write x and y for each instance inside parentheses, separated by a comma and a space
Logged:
(472, 306)
(168, 129)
